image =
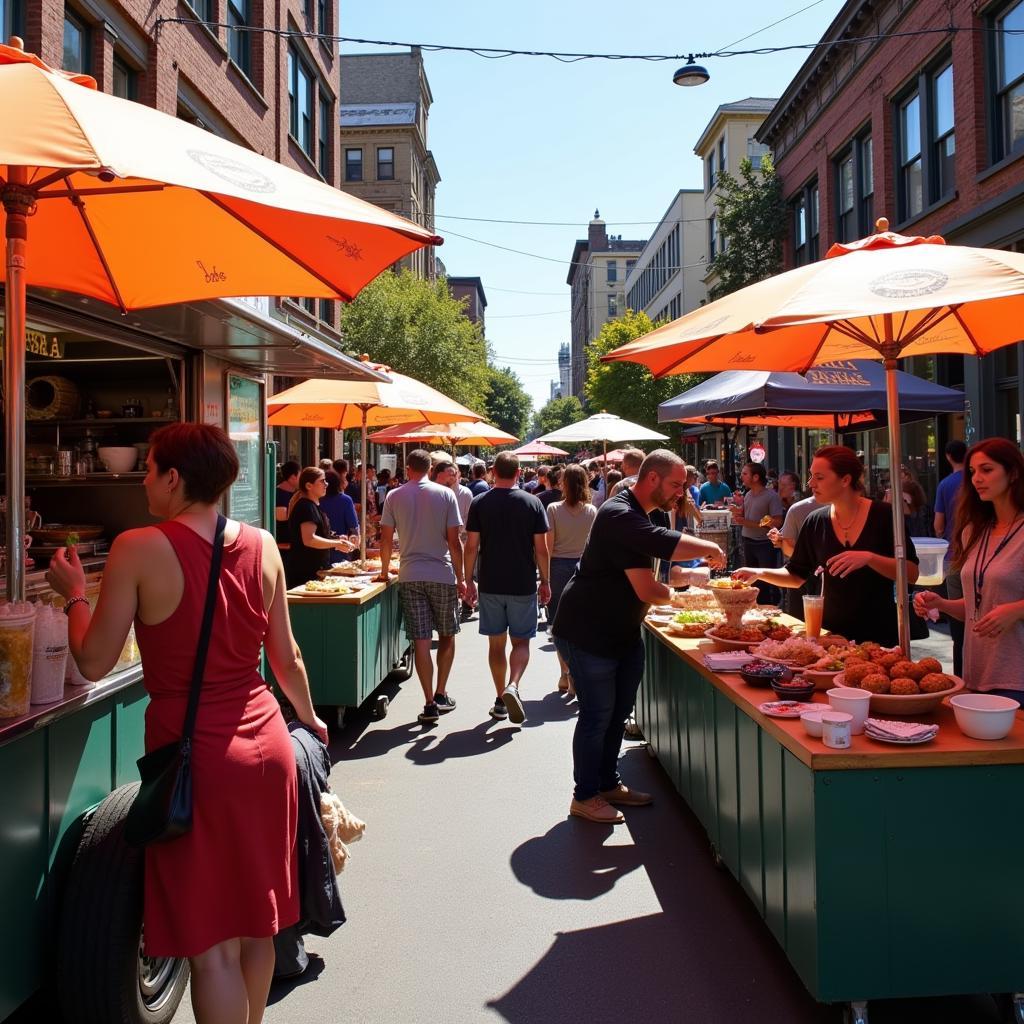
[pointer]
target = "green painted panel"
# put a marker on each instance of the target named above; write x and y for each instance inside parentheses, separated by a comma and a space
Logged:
(23, 854)
(728, 783)
(773, 836)
(748, 754)
(80, 755)
(681, 684)
(677, 731)
(643, 695)
(710, 760)
(801, 894)
(695, 734)
(668, 730)
(129, 733)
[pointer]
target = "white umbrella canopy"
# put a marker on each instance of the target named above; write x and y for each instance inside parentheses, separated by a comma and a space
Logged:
(602, 426)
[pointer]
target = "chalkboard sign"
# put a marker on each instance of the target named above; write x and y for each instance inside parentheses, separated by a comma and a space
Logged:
(245, 499)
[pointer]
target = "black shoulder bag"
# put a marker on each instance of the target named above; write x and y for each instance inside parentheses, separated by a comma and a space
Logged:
(162, 809)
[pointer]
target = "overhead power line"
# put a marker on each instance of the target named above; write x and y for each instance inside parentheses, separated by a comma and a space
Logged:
(511, 316)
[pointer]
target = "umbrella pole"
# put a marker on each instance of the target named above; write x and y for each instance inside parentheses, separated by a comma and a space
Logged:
(18, 203)
(896, 489)
(362, 488)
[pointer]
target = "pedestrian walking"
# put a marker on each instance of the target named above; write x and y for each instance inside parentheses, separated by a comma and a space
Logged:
(430, 573)
(479, 484)
(506, 528)
(598, 622)
(632, 460)
(447, 475)
(554, 491)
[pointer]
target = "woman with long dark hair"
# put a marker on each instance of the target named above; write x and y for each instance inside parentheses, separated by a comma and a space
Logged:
(218, 894)
(851, 542)
(570, 520)
(988, 549)
(311, 534)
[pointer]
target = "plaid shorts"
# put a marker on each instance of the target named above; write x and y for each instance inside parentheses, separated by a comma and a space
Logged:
(429, 606)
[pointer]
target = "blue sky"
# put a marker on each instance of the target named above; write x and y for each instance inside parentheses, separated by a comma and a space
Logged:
(532, 139)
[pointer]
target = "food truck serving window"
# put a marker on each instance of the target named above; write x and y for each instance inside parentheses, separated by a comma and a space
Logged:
(245, 427)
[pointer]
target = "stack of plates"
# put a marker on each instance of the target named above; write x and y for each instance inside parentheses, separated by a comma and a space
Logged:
(899, 732)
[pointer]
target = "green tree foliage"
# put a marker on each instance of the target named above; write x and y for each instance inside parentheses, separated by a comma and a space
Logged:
(418, 328)
(628, 389)
(752, 218)
(508, 406)
(557, 413)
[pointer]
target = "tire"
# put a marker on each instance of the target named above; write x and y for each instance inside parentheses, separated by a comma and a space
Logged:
(104, 979)
(403, 670)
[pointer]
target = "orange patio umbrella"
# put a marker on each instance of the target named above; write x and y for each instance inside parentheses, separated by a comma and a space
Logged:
(884, 296)
(113, 199)
(464, 434)
(345, 404)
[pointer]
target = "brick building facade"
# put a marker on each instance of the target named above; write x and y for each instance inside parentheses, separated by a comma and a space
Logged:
(923, 127)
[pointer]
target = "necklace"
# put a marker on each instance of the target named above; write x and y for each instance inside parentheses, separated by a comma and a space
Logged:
(981, 564)
(846, 529)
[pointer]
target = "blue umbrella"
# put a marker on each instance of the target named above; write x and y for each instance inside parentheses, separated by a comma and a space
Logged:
(835, 396)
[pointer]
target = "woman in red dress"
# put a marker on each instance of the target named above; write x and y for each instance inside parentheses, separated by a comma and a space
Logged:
(220, 893)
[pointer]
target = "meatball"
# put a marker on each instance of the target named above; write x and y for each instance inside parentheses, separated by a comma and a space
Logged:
(904, 687)
(888, 660)
(935, 682)
(903, 669)
(876, 683)
(930, 665)
(856, 673)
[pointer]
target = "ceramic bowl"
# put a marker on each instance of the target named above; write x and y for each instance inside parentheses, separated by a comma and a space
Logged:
(811, 721)
(984, 716)
(119, 460)
(788, 691)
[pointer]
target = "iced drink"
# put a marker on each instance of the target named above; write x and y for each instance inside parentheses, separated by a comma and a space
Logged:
(814, 606)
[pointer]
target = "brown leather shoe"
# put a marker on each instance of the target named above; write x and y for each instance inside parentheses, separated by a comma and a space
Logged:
(596, 809)
(626, 797)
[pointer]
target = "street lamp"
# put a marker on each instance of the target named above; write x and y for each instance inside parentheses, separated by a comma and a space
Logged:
(691, 74)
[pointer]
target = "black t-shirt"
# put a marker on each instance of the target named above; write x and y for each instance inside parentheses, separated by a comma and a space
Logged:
(550, 496)
(302, 562)
(861, 606)
(281, 531)
(599, 610)
(507, 520)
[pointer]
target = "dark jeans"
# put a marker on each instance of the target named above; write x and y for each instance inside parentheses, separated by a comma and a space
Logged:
(605, 692)
(759, 554)
(954, 589)
(561, 572)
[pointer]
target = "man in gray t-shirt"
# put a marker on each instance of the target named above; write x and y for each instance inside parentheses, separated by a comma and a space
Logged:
(430, 575)
(760, 504)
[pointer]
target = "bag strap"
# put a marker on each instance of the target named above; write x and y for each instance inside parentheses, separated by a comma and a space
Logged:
(204, 632)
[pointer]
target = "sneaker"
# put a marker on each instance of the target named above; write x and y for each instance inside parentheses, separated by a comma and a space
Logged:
(513, 704)
(429, 712)
(626, 797)
(498, 710)
(596, 809)
(444, 702)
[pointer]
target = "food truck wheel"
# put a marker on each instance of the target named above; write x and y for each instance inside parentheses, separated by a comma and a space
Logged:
(109, 981)
(403, 670)
(855, 1013)
(380, 708)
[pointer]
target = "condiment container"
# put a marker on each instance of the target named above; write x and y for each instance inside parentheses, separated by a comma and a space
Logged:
(855, 702)
(835, 729)
(49, 655)
(17, 622)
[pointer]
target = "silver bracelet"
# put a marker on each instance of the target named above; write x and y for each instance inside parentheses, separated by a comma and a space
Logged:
(71, 602)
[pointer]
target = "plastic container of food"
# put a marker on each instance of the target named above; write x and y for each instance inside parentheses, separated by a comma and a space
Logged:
(932, 552)
(984, 716)
(17, 628)
(49, 655)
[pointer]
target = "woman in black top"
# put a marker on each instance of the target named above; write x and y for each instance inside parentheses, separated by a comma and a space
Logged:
(852, 541)
(310, 532)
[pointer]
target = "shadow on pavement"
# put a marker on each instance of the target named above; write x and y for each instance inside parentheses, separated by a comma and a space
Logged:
(428, 749)
(282, 988)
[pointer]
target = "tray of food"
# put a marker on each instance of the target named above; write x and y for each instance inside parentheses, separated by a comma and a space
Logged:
(695, 599)
(63, 534)
(691, 625)
(793, 651)
(326, 588)
(746, 636)
(898, 685)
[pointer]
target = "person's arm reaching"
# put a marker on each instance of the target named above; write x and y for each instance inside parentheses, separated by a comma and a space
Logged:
(387, 541)
(647, 588)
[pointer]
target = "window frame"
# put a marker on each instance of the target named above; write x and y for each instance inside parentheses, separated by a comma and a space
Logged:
(995, 96)
(324, 133)
(712, 238)
(77, 21)
(12, 18)
(862, 173)
(382, 163)
(611, 271)
(302, 121)
(131, 78)
(238, 13)
(348, 163)
(808, 200)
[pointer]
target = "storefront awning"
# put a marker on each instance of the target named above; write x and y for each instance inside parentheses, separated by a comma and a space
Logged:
(239, 331)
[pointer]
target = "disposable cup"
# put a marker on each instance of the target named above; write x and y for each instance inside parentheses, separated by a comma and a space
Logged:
(854, 702)
(814, 607)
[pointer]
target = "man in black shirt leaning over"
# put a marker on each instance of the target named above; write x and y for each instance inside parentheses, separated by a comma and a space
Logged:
(597, 625)
(507, 526)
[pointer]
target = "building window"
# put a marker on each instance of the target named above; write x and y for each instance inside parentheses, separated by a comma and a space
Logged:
(756, 152)
(12, 18)
(630, 264)
(613, 306)
(613, 271)
(385, 163)
(204, 8)
(76, 44)
(239, 48)
(323, 160)
(301, 90)
(855, 187)
(710, 165)
(321, 17)
(353, 165)
(327, 311)
(125, 80)
(926, 141)
(712, 238)
(1008, 68)
(722, 164)
(805, 224)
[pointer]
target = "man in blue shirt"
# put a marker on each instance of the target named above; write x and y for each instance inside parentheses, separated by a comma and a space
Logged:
(479, 484)
(946, 497)
(714, 490)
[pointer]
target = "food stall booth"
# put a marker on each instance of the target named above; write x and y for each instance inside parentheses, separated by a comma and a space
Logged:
(97, 385)
(881, 870)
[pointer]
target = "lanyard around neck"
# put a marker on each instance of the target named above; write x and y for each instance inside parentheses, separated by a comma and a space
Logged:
(981, 564)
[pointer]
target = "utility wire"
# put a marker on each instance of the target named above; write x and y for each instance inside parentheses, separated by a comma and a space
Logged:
(570, 223)
(511, 316)
(743, 39)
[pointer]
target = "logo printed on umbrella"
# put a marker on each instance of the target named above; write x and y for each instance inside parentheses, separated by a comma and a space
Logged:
(233, 171)
(907, 284)
(742, 357)
(213, 276)
(347, 247)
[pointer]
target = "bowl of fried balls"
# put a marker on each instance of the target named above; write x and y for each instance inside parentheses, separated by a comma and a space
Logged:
(898, 685)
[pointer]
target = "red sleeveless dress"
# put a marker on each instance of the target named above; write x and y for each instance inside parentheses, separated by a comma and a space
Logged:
(235, 873)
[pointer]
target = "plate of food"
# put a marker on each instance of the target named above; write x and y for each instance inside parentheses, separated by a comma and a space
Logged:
(69, 534)
(794, 651)
(899, 685)
(325, 588)
(787, 708)
(691, 625)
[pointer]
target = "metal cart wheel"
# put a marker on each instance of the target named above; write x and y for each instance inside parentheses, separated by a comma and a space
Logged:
(403, 670)
(339, 716)
(380, 708)
(1017, 1012)
(856, 1012)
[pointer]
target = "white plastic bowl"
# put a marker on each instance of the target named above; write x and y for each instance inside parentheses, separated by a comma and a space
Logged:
(119, 460)
(984, 716)
(811, 721)
(931, 551)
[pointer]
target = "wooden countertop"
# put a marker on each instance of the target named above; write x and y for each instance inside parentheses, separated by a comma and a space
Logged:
(361, 597)
(950, 747)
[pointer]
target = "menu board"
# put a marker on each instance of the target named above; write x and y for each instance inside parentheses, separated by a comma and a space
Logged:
(245, 499)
